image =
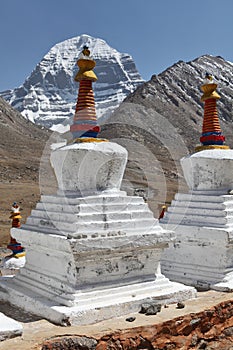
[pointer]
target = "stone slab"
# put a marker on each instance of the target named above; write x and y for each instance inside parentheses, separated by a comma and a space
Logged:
(9, 328)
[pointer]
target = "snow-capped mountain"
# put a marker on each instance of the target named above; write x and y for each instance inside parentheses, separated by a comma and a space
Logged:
(48, 96)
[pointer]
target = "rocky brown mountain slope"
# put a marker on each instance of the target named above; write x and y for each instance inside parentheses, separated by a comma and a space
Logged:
(21, 147)
(161, 122)
(21, 144)
(175, 93)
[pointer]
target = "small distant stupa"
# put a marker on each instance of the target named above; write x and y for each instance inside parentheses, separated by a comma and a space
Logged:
(17, 250)
(11, 264)
(212, 137)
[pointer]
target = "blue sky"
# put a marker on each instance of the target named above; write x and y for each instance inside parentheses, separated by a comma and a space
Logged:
(157, 33)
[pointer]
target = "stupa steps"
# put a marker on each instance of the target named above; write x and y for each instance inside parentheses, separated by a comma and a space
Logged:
(98, 297)
(96, 233)
(34, 288)
(198, 196)
(199, 211)
(34, 279)
(197, 220)
(201, 208)
(95, 199)
(91, 208)
(206, 205)
(147, 290)
(83, 217)
(120, 293)
(91, 227)
(125, 294)
(211, 269)
(45, 289)
(207, 274)
(44, 278)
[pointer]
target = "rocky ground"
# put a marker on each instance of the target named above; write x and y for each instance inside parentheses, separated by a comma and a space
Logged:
(204, 323)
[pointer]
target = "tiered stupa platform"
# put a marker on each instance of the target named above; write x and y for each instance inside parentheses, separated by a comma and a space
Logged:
(202, 219)
(93, 256)
(92, 251)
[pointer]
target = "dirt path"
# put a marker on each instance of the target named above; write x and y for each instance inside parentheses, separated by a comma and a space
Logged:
(38, 330)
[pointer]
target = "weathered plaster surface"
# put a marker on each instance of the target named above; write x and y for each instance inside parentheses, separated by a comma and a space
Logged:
(92, 251)
(202, 219)
(209, 170)
(99, 166)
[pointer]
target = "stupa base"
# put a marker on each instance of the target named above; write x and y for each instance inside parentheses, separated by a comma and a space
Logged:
(200, 258)
(202, 254)
(99, 258)
(95, 306)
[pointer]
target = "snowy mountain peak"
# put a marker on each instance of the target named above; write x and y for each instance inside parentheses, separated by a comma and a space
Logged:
(49, 94)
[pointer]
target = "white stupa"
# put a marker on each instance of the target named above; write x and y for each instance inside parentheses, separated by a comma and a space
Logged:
(202, 219)
(92, 251)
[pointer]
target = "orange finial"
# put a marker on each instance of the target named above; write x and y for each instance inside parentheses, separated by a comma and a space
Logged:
(211, 131)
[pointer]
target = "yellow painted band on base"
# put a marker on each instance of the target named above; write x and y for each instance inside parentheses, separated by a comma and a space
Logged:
(202, 148)
(19, 255)
(88, 139)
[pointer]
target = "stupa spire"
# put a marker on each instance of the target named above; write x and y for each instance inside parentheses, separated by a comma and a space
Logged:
(212, 137)
(85, 127)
